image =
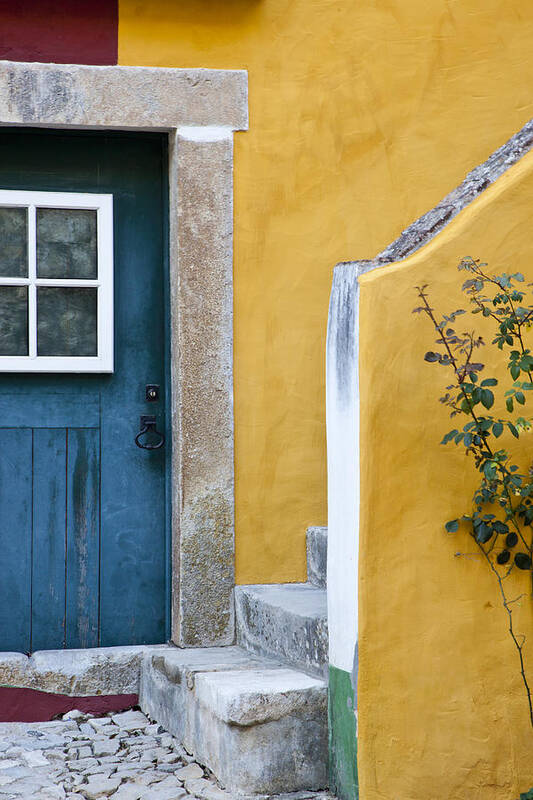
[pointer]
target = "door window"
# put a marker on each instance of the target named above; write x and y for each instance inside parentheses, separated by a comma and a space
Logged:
(56, 282)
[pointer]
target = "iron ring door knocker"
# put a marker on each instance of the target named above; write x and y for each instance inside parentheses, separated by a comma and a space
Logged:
(148, 425)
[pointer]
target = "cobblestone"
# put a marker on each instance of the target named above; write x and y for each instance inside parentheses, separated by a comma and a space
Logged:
(124, 756)
(120, 756)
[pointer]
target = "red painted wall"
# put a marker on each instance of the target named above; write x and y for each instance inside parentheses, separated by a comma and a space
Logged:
(30, 705)
(60, 31)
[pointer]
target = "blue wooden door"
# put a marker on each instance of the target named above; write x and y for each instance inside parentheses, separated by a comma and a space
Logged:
(83, 510)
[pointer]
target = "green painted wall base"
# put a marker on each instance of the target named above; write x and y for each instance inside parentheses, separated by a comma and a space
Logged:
(342, 735)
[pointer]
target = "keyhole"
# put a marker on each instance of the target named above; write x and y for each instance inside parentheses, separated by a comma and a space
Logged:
(152, 392)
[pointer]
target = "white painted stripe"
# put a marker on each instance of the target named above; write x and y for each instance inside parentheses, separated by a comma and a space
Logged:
(342, 422)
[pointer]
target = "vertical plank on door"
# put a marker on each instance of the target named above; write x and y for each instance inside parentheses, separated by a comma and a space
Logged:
(83, 535)
(49, 515)
(15, 537)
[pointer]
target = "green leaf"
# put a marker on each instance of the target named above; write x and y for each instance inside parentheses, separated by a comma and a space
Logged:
(518, 276)
(509, 404)
(513, 429)
(489, 382)
(489, 469)
(431, 356)
(449, 436)
(503, 557)
(514, 369)
(483, 533)
(497, 429)
(511, 539)
(452, 526)
(522, 561)
(500, 527)
(487, 398)
(519, 397)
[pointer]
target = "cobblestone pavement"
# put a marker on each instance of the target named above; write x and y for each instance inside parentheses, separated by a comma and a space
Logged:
(123, 756)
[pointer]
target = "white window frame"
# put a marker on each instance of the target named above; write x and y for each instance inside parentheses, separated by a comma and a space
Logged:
(103, 205)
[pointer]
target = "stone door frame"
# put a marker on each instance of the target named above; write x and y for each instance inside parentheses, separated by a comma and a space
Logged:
(199, 109)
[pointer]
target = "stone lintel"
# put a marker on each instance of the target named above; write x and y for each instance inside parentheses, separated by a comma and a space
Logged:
(139, 98)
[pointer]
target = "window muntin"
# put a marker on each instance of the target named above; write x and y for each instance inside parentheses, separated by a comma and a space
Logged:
(56, 282)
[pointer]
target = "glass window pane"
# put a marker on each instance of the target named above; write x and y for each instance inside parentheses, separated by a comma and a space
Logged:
(14, 242)
(66, 322)
(13, 321)
(66, 243)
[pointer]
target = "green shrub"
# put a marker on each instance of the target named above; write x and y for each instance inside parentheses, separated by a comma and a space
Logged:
(500, 517)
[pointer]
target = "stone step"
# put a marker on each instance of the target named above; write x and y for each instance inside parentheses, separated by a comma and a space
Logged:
(260, 727)
(317, 556)
(286, 622)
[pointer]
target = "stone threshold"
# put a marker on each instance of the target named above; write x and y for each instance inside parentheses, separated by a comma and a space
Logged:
(79, 673)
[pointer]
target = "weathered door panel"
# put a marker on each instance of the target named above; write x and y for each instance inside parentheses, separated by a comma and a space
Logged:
(88, 563)
(82, 537)
(15, 524)
(49, 522)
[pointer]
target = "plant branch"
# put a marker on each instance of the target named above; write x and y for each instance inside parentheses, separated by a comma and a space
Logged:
(506, 604)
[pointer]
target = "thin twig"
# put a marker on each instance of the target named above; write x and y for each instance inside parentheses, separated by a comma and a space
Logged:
(518, 646)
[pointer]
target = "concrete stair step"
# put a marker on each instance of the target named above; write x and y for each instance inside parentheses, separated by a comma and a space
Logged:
(259, 726)
(286, 622)
(317, 556)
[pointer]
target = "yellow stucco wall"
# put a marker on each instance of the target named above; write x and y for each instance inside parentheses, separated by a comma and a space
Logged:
(442, 710)
(363, 114)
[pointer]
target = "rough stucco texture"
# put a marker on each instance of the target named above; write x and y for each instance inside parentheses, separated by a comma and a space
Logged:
(442, 710)
(363, 115)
